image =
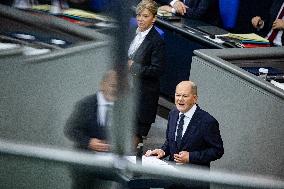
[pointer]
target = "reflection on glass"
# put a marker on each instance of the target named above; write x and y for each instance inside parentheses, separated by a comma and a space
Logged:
(88, 125)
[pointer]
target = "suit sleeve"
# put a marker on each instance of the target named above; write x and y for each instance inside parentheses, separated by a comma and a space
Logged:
(198, 11)
(164, 2)
(166, 147)
(268, 17)
(76, 128)
(157, 59)
(214, 143)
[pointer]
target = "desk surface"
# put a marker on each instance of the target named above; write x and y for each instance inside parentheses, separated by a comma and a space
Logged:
(188, 28)
(147, 181)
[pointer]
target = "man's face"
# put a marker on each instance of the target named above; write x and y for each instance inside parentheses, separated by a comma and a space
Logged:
(109, 87)
(145, 20)
(184, 99)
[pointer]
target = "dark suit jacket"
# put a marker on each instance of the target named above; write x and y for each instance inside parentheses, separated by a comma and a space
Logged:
(205, 10)
(82, 125)
(270, 17)
(202, 138)
(146, 70)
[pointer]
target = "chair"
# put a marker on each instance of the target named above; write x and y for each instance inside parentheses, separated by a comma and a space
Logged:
(229, 12)
(99, 5)
(133, 23)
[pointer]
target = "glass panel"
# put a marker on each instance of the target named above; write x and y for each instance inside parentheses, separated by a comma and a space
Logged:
(24, 173)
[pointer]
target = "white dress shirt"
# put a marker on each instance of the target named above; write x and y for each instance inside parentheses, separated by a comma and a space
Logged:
(102, 108)
(137, 41)
(187, 117)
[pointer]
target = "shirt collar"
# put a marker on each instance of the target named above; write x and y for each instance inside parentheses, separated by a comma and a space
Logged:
(190, 112)
(102, 100)
(144, 33)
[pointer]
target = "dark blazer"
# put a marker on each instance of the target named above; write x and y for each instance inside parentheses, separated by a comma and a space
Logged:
(202, 138)
(146, 70)
(270, 17)
(205, 10)
(82, 125)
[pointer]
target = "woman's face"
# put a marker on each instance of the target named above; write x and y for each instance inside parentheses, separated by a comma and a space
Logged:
(145, 19)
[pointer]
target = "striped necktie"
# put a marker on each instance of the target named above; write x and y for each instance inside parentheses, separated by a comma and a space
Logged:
(108, 115)
(179, 130)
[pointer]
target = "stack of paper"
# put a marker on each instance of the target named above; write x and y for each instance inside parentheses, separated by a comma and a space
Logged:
(164, 13)
(250, 40)
(41, 7)
(151, 161)
(85, 14)
(74, 13)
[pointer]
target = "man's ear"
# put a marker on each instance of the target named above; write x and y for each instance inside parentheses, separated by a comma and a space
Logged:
(102, 86)
(195, 99)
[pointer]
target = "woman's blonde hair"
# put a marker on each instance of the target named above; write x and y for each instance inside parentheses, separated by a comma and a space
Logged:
(151, 5)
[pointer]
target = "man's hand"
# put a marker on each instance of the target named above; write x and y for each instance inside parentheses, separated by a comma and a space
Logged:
(257, 22)
(278, 24)
(159, 153)
(180, 7)
(182, 157)
(98, 145)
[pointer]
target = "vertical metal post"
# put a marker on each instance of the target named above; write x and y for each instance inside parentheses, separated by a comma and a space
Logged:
(122, 126)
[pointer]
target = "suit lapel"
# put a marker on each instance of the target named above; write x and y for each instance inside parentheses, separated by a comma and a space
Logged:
(142, 48)
(173, 131)
(194, 122)
(146, 42)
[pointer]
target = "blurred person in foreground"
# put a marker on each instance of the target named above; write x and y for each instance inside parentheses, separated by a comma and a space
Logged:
(88, 124)
(271, 26)
(193, 135)
(146, 63)
(88, 128)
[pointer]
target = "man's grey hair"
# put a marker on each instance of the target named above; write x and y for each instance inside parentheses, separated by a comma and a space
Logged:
(193, 88)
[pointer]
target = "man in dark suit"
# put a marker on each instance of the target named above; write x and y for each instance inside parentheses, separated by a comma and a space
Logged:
(271, 25)
(146, 63)
(193, 135)
(205, 10)
(87, 125)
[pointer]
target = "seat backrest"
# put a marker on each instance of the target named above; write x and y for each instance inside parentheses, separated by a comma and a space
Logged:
(229, 12)
(133, 23)
(98, 5)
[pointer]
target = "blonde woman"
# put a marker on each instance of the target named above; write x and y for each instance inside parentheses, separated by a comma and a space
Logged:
(146, 61)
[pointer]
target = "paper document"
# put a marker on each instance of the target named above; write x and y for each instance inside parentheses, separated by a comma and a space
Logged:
(150, 161)
(277, 84)
(75, 12)
(249, 36)
(164, 13)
